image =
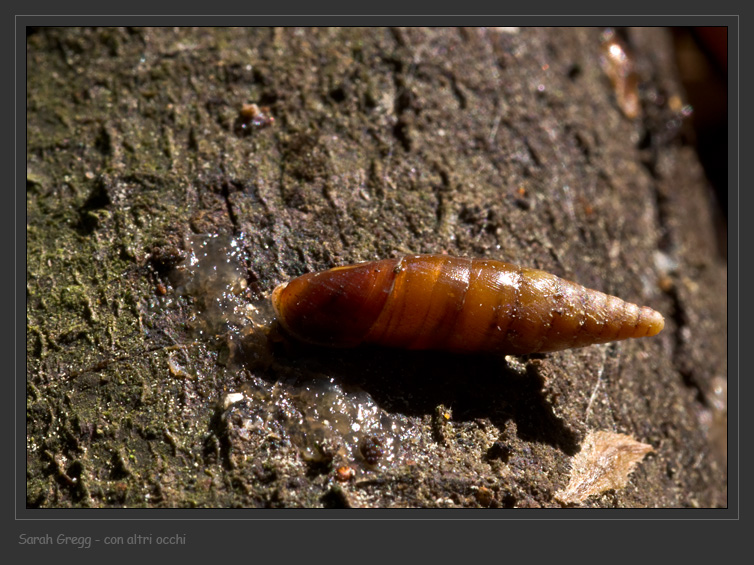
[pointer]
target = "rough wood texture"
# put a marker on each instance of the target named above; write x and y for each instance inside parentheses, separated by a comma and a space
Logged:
(497, 143)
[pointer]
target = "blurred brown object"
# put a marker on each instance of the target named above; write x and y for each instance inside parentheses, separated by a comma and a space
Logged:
(714, 40)
(702, 58)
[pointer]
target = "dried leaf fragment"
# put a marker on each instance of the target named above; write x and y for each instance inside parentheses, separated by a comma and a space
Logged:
(604, 462)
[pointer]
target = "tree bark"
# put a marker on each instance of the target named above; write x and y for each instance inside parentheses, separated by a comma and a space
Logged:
(147, 386)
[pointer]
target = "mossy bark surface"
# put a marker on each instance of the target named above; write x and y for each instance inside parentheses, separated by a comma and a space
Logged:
(498, 143)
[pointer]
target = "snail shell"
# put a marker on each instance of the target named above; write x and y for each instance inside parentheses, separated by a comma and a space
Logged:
(455, 304)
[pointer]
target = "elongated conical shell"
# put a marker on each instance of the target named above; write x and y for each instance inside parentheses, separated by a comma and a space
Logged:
(455, 304)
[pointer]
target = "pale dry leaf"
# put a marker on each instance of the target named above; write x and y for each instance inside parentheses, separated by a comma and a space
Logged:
(604, 462)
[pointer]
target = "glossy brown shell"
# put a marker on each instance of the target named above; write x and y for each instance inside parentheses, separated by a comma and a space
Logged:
(455, 304)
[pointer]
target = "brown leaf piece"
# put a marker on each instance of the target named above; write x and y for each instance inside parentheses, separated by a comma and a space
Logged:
(604, 462)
